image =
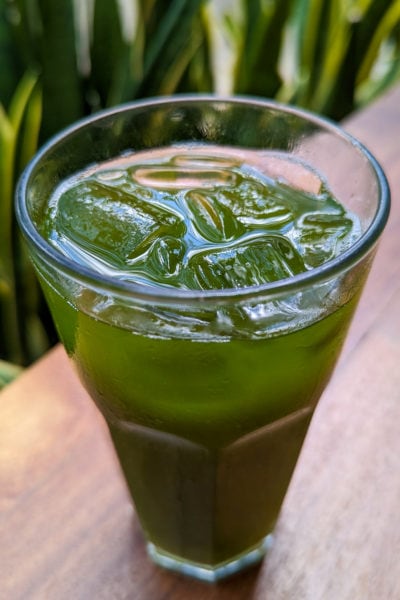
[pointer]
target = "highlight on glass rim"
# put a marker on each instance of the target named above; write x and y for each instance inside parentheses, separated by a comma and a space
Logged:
(202, 258)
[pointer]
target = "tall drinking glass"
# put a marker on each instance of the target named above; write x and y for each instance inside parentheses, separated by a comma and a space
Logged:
(208, 387)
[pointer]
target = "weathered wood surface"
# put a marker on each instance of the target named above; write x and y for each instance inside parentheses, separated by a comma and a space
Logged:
(67, 529)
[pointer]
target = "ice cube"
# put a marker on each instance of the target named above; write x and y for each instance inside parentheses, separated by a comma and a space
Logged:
(321, 236)
(166, 257)
(253, 260)
(210, 218)
(206, 160)
(112, 225)
(170, 177)
(255, 204)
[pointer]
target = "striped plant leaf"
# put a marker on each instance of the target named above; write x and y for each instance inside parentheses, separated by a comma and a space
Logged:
(337, 34)
(7, 145)
(115, 50)
(388, 67)
(346, 94)
(309, 31)
(171, 40)
(34, 338)
(61, 81)
(30, 130)
(258, 71)
(225, 27)
(10, 129)
(10, 125)
(10, 61)
(389, 21)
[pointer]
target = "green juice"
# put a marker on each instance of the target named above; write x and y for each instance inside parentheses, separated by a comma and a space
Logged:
(207, 407)
(208, 434)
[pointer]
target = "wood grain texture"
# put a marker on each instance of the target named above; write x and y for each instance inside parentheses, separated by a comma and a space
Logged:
(67, 527)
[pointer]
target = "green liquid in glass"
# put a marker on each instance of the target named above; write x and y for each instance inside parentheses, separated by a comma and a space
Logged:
(208, 418)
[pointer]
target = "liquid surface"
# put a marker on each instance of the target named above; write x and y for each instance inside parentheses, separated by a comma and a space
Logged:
(199, 219)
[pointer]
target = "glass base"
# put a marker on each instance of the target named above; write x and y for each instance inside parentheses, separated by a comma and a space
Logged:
(206, 572)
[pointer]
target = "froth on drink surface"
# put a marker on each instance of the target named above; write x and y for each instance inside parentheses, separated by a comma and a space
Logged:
(199, 218)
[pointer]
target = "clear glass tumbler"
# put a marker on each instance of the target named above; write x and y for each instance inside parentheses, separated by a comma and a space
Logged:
(208, 394)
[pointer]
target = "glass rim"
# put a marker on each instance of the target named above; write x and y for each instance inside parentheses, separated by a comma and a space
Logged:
(345, 260)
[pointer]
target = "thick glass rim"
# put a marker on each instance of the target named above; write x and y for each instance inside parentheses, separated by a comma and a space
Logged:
(324, 272)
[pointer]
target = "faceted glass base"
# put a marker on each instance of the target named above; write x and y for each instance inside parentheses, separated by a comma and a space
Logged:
(207, 572)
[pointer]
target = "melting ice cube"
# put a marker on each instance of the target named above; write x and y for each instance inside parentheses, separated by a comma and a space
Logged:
(321, 236)
(253, 260)
(210, 218)
(166, 256)
(172, 177)
(257, 205)
(112, 225)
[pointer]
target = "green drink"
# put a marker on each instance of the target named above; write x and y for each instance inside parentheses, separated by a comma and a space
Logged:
(200, 292)
(208, 459)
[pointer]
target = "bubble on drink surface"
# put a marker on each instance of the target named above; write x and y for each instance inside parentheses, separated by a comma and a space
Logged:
(110, 224)
(251, 261)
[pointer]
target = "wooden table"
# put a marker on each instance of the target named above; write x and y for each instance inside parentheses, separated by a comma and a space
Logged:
(67, 528)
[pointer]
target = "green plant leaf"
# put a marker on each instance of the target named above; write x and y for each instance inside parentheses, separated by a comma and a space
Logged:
(10, 127)
(388, 71)
(61, 81)
(34, 339)
(27, 29)
(383, 30)
(366, 25)
(225, 27)
(115, 50)
(10, 60)
(264, 35)
(6, 162)
(20, 99)
(197, 76)
(363, 18)
(29, 137)
(170, 43)
(337, 41)
(308, 35)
